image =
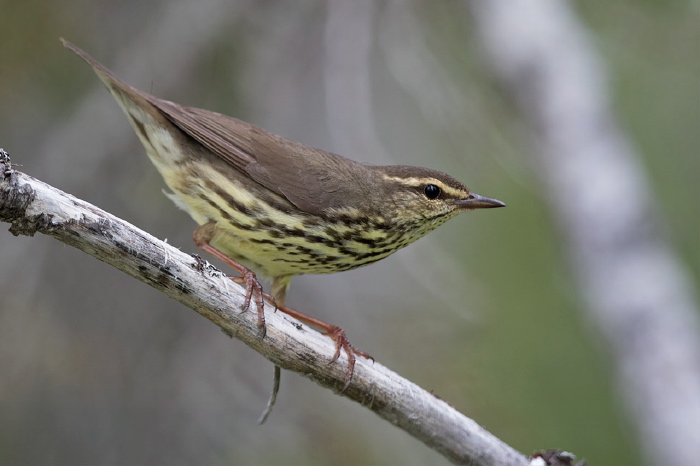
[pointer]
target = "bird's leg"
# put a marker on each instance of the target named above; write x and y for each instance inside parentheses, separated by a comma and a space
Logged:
(202, 236)
(338, 336)
(279, 291)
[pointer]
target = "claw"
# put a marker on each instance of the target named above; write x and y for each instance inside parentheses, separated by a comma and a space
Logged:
(342, 343)
(254, 290)
(253, 287)
(338, 336)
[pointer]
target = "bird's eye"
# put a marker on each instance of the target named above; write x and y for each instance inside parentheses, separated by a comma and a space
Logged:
(431, 191)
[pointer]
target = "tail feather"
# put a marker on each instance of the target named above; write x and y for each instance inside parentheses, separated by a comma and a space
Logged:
(116, 86)
(152, 127)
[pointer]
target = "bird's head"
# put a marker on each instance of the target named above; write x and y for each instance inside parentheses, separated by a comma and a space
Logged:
(425, 199)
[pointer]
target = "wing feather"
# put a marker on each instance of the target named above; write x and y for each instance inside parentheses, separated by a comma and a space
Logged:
(311, 179)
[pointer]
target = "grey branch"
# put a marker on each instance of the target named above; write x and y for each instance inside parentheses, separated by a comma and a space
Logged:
(32, 206)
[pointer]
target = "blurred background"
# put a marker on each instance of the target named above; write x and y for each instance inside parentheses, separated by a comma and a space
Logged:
(487, 311)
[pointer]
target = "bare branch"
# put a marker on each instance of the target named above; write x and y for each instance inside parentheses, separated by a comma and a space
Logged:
(32, 206)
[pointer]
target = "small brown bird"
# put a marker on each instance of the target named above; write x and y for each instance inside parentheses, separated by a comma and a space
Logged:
(271, 205)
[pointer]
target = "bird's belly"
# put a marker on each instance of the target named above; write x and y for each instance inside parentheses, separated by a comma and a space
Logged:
(271, 259)
(276, 240)
(293, 255)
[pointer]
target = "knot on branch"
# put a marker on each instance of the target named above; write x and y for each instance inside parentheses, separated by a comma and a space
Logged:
(15, 199)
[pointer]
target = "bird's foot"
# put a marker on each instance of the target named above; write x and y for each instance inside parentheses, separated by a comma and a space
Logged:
(338, 336)
(343, 344)
(254, 290)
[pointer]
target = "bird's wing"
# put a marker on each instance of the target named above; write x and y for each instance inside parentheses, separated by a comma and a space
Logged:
(311, 179)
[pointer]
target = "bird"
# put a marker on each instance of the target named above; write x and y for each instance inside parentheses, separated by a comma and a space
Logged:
(266, 205)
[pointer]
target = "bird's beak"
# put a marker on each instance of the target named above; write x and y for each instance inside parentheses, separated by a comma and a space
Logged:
(474, 201)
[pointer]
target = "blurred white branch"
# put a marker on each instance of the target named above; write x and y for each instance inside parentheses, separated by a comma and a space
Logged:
(639, 294)
(32, 206)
